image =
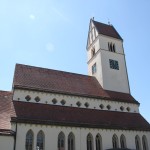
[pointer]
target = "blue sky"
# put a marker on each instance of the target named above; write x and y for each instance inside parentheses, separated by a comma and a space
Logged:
(53, 34)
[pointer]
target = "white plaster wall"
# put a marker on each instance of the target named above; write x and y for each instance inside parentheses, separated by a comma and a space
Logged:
(98, 74)
(96, 46)
(104, 43)
(114, 80)
(96, 32)
(51, 136)
(110, 79)
(92, 25)
(92, 32)
(6, 142)
(19, 95)
(90, 37)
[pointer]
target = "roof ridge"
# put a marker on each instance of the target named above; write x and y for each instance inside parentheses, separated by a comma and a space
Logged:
(102, 23)
(29, 66)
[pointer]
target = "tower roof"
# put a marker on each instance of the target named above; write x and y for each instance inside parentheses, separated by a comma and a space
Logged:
(107, 30)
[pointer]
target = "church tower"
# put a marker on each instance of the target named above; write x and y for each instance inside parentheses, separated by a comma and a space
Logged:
(106, 58)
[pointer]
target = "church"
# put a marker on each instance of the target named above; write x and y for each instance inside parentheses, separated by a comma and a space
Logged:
(56, 110)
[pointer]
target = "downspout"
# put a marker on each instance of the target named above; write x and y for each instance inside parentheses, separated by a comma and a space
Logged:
(15, 137)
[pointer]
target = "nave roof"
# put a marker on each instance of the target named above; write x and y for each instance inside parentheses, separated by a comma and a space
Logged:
(48, 80)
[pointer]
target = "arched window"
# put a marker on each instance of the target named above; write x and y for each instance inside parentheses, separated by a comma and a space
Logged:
(29, 140)
(123, 141)
(40, 141)
(137, 143)
(98, 141)
(114, 49)
(71, 142)
(115, 141)
(111, 47)
(108, 46)
(61, 141)
(93, 51)
(144, 142)
(89, 142)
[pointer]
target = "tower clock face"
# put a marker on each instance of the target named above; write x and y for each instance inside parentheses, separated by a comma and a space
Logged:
(114, 64)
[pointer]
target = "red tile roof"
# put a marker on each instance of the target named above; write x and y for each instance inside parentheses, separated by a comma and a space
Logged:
(47, 80)
(27, 112)
(37, 113)
(6, 110)
(105, 29)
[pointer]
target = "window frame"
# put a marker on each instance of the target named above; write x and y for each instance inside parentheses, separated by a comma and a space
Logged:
(137, 143)
(111, 47)
(93, 52)
(61, 141)
(71, 141)
(144, 143)
(123, 141)
(94, 68)
(27, 147)
(40, 140)
(98, 142)
(89, 141)
(115, 142)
